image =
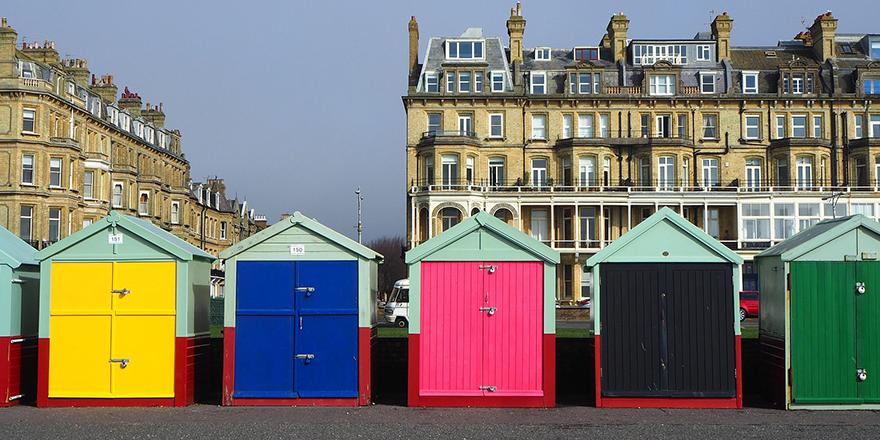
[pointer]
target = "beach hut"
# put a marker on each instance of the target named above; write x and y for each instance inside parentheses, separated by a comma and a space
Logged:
(123, 317)
(666, 327)
(300, 307)
(820, 301)
(19, 299)
(482, 327)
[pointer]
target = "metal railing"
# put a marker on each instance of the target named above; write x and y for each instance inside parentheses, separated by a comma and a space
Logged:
(448, 133)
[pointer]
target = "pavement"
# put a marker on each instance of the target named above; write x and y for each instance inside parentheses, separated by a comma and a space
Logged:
(394, 422)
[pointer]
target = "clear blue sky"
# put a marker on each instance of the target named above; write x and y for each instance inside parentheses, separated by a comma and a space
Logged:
(296, 103)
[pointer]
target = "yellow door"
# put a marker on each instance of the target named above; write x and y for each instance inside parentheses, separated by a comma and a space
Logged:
(80, 315)
(143, 329)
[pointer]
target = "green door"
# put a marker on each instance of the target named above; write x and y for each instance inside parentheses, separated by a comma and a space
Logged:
(868, 329)
(823, 352)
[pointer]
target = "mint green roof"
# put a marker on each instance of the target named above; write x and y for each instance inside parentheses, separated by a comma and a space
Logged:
(14, 251)
(312, 225)
(665, 216)
(146, 230)
(818, 235)
(486, 221)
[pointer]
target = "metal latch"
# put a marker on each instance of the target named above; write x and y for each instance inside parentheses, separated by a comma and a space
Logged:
(122, 362)
(16, 341)
(489, 388)
(16, 281)
(491, 310)
(861, 374)
(490, 267)
(307, 290)
(121, 291)
(306, 357)
(860, 288)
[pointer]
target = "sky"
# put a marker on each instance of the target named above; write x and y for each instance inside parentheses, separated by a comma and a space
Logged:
(298, 103)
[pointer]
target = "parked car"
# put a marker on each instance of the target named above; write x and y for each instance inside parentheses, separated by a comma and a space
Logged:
(397, 307)
(749, 304)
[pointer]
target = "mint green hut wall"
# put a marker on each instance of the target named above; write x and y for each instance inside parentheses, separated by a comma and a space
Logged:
(847, 239)
(483, 237)
(20, 278)
(141, 241)
(319, 243)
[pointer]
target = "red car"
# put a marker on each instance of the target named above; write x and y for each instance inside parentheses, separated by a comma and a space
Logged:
(749, 305)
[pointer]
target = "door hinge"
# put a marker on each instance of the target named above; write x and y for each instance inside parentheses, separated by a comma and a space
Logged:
(489, 388)
(490, 267)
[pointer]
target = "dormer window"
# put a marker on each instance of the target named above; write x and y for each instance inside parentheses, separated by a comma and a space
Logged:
(71, 88)
(162, 137)
(432, 82)
(750, 83)
(797, 83)
(649, 54)
(875, 50)
(464, 82)
(26, 69)
(871, 86)
(497, 81)
(704, 53)
(542, 54)
(662, 85)
(586, 53)
(539, 83)
(707, 83)
(584, 83)
(464, 50)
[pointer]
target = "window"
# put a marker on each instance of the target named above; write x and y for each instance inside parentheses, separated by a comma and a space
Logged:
(804, 172)
(589, 235)
(118, 196)
(478, 82)
(449, 170)
(666, 173)
(685, 172)
(464, 82)
(27, 169)
(469, 170)
(710, 126)
(662, 85)
(54, 224)
(539, 172)
(496, 171)
(817, 126)
(783, 222)
(25, 224)
(750, 83)
(28, 120)
(449, 217)
(497, 81)
(586, 53)
(753, 127)
(606, 172)
(223, 230)
(861, 166)
(539, 126)
(587, 170)
(797, 84)
(429, 170)
(808, 214)
(756, 221)
(662, 126)
(875, 50)
(144, 203)
(89, 184)
(780, 127)
(175, 213)
(782, 175)
(866, 209)
(753, 174)
(798, 126)
(566, 172)
(435, 123)
(877, 170)
(55, 172)
(450, 82)
(875, 126)
(585, 83)
(871, 86)
(464, 50)
(603, 125)
(539, 83)
(704, 53)
(585, 126)
(713, 226)
(542, 54)
(710, 173)
(432, 82)
(682, 126)
(465, 124)
(645, 125)
(566, 126)
(858, 124)
(648, 54)
(540, 225)
(707, 83)
(496, 125)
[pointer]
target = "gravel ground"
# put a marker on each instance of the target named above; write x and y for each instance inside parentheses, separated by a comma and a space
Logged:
(393, 422)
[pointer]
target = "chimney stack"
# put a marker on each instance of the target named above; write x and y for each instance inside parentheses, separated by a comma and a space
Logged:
(721, 27)
(413, 50)
(106, 89)
(154, 115)
(617, 29)
(78, 69)
(132, 102)
(43, 53)
(8, 38)
(822, 32)
(516, 27)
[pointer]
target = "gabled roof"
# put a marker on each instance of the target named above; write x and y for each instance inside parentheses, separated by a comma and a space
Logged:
(312, 225)
(818, 235)
(486, 221)
(142, 228)
(14, 251)
(669, 216)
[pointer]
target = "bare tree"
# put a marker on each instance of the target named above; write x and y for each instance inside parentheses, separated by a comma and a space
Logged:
(393, 268)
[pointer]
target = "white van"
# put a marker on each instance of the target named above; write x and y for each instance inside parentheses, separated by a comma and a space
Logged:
(397, 307)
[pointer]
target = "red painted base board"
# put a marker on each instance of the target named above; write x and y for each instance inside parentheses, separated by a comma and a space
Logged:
(548, 400)
(662, 402)
(365, 338)
(190, 359)
(18, 370)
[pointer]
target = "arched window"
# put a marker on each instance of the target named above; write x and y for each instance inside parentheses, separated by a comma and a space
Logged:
(449, 217)
(504, 215)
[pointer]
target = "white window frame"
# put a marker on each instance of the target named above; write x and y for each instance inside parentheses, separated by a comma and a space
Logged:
(53, 172)
(223, 227)
(567, 125)
(780, 127)
(464, 81)
(805, 175)
(746, 89)
(706, 167)
(858, 126)
(706, 118)
(439, 126)
(432, 78)
(121, 187)
(478, 82)
(57, 221)
(457, 42)
(704, 52)
(540, 175)
(450, 82)
(533, 85)
(587, 170)
(542, 54)
(145, 209)
(497, 81)
(756, 219)
(818, 127)
(496, 171)
(33, 120)
(874, 126)
(33, 170)
(496, 128)
(175, 212)
(586, 125)
(539, 131)
(752, 122)
(703, 83)
(795, 127)
(89, 187)
(666, 172)
(662, 88)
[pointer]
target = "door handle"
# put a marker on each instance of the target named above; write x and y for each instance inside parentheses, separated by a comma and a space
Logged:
(307, 358)
(307, 290)
(490, 267)
(122, 362)
(860, 288)
(861, 374)
(121, 291)
(491, 310)
(489, 388)
(300, 322)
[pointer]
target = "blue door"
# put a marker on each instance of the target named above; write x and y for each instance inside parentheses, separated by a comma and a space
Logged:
(264, 329)
(326, 342)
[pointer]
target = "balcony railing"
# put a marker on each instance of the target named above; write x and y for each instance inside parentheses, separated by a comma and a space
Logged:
(36, 84)
(448, 133)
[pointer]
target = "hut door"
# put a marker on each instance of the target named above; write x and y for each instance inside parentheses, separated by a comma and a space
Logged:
(326, 341)
(868, 330)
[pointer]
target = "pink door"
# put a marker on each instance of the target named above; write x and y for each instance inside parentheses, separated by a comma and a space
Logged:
(450, 347)
(481, 329)
(513, 333)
